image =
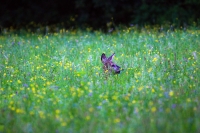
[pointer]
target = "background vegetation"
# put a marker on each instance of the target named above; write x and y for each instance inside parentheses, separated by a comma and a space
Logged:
(98, 13)
(55, 82)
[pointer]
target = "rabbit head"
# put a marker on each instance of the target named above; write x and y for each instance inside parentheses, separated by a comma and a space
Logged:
(109, 65)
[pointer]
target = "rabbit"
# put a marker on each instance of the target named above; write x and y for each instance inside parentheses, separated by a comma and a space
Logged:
(109, 65)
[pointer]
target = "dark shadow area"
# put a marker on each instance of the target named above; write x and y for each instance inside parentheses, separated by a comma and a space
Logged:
(97, 13)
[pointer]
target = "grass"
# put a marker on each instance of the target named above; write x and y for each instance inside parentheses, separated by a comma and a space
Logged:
(55, 82)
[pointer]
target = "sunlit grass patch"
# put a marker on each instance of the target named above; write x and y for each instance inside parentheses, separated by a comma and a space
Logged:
(55, 82)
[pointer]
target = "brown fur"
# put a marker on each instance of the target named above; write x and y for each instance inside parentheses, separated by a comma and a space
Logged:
(109, 65)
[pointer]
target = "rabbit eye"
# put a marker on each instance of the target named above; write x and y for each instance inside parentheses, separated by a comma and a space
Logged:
(113, 65)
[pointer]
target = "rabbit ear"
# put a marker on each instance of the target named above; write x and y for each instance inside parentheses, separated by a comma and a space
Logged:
(111, 57)
(103, 57)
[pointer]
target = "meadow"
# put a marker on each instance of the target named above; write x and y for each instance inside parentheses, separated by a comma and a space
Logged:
(54, 82)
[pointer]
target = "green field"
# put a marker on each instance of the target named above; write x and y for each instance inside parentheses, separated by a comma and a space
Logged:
(54, 82)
